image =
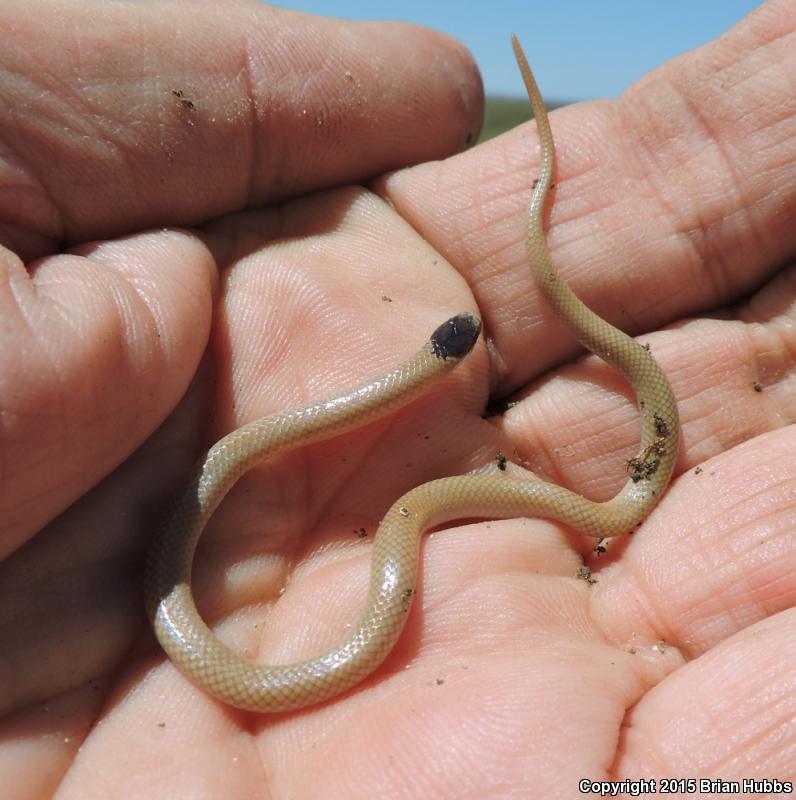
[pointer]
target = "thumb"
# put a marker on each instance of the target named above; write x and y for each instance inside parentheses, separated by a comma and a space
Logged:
(122, 116)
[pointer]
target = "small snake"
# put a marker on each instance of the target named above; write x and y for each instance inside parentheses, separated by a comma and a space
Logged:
(192, 646)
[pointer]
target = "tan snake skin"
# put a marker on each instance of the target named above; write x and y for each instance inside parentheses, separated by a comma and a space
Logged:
(191, 645)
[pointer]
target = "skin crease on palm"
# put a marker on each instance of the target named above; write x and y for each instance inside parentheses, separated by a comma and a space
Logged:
(513, 678)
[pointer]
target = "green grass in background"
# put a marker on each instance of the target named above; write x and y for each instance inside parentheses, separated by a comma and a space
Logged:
(503, 113)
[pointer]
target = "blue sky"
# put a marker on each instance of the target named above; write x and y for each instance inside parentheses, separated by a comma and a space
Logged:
(587, 48)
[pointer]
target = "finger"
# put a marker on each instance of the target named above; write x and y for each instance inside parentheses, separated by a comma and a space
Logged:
(672, 200)
(99, 346)
(252, 104)
(731, 713)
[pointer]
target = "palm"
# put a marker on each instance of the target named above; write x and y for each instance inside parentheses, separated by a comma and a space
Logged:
(512, 672)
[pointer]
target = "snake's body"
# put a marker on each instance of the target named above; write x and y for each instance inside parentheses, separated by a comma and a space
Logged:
(191, 645)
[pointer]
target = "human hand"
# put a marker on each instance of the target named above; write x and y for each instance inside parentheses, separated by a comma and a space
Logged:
(517, 680)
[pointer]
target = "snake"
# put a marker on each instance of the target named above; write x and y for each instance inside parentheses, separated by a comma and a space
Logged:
(216, 669)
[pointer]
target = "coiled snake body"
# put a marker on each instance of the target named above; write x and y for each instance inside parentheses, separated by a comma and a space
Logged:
(191, 645)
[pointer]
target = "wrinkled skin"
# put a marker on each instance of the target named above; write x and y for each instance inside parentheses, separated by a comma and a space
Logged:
(209, 227)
